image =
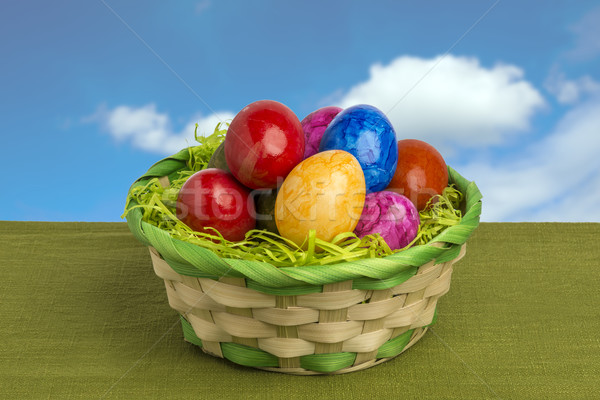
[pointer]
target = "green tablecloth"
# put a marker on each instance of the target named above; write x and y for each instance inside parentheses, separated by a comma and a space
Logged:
(84, 316)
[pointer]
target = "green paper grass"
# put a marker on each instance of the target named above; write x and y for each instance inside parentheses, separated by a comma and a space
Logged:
(157, 204)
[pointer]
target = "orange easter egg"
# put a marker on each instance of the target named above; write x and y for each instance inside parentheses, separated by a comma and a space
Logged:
(325, 192)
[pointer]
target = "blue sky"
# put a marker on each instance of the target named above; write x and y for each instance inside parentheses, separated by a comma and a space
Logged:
(94, 92)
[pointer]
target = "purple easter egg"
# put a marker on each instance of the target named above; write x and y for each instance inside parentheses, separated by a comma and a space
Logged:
(390, 214)
(314, 124)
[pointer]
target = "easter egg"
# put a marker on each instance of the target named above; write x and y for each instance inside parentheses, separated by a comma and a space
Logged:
(265, 210)
(421, 172)
(325, 192)
(367, 134)
(263, 143)
(314, 125)
(217, 160)
(390, 214)
(214, 198)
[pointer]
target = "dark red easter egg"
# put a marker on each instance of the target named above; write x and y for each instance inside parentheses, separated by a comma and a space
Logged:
(214, 198)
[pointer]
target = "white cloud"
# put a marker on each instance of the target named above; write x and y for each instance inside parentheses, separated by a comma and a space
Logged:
(202, 6)
(147, 129)
(587, 31)
(449, 99)
(570, 91)
(555, 179)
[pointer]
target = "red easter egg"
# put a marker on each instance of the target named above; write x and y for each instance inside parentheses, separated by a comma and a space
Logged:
(214, 198)
(264, 142)
(421, 172)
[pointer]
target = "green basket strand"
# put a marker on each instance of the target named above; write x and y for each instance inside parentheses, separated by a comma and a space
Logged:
(324, 363)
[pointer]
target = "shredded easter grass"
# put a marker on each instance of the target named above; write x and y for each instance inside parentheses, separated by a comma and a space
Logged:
(157, 204)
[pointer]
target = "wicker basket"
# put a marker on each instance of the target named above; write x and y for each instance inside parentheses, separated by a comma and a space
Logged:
(310, 319)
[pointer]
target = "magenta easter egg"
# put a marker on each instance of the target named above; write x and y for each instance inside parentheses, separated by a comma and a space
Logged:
(314, 124)
(390, 214)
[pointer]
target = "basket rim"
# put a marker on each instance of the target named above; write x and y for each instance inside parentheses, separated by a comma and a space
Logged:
(190, 259)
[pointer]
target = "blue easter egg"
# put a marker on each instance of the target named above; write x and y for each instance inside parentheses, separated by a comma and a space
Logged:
(367, 134)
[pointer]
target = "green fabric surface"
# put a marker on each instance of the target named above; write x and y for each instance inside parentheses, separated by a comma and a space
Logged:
(84, 316)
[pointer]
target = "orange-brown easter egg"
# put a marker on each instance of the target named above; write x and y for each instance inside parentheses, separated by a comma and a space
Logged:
(421, 172)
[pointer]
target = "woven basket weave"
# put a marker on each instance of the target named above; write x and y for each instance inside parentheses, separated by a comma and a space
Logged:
(305, 320)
